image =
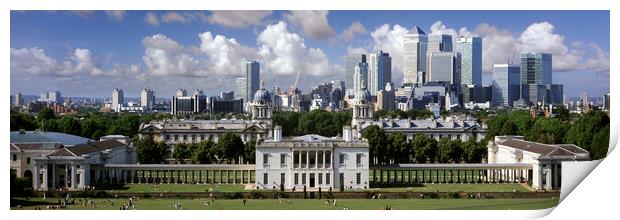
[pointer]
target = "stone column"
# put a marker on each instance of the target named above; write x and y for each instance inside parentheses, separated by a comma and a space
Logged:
(35, 177)
(307, 159)
(324, 160)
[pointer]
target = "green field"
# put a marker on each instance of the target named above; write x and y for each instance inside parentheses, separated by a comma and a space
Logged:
(457, 187)
(160, 188)
(308, 204)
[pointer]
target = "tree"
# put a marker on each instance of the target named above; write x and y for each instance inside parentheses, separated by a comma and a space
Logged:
(230, 147)
(548, 131)
(450, 150)
(472, 152)
(202, 153)
(600, 144)
(46, 114)
(376, 143)
(561, 113)
(418, 145)
(430, 149)
(249, 155)
(398, 148)
(182, 151)
(150, 151)
(509, 128)
(22, 121)
(583, 130)
(69, 125)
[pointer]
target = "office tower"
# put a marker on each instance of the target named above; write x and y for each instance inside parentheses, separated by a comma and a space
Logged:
(414, 65)
(470, 49)
(360, 77)
(240, 89)
(606, 99)
(227, 96)
(386, 99)
(379, 71)
(535, 77)
(444, 67)
(437, 43)
(350, 62)
(181, 93)
(585, 102)
(505, 84)
(147, 98)
(252, 76)
(18, 99)
(117, 99)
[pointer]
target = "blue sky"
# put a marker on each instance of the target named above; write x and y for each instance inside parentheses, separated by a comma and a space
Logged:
(88, 53)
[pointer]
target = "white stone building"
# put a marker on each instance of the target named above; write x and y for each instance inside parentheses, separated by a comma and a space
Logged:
(546, 159)
(313, 161)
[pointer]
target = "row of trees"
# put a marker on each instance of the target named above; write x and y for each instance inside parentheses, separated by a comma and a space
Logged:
(229, 149)
(589, 131)
(89, 124)
(319, 122)
(394, 148)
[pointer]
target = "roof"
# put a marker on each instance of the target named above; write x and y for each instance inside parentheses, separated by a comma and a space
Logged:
(416, 30)
(313, 141)
(35, 146)
(545, 150)
(407, 124)
(49, 137)
(200, 125)
(95, 147)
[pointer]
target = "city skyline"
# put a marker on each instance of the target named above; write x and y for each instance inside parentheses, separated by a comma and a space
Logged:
(175, 49)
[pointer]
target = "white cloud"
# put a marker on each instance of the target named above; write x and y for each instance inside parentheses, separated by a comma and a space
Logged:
(355, 28)
(164, 56)
(151, 18)
(34, 61)
(85, 62)
(116, 15)
(314, 23)
(225, 55)
(237, 19)
(173, 16)
(390, 39)
(285, 53)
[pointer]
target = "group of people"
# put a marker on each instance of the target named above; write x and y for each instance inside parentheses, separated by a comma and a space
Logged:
(177, 205)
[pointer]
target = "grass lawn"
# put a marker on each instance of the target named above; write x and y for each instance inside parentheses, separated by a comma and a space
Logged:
(310, 204)
(146, 188)
(457, 187)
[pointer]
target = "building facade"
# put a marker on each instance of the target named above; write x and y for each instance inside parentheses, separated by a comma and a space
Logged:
(546, 159)
(350, 62)
(379, 71)
(470, 49)
(505, 84)
(414, 65)
(252, 79)
(313, 162)
(147, 99)
(444, 67)
(118, 99)
(240, 88)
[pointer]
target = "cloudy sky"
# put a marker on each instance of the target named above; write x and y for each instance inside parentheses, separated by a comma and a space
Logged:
(89, 53)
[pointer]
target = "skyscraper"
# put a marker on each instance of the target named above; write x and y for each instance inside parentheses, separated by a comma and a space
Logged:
(360, 77)
(117, 99)
(505, 84)
(181, 93)
(350, 62)
(18, 99)
(414, 65)
(240, 89)
(437, 43)
(444, 67)
(386, 99)
(606, 100)
(147, 98)
(535, 77)
(470, 49)
(379, 71)
(252, 76)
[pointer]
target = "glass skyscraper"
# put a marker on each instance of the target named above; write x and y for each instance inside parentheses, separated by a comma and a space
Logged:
(436, 43)
(379, 71)
(414, 64)
(252, 76)
(535, 77)
(350, 62)
(505, 85)
(470, 49)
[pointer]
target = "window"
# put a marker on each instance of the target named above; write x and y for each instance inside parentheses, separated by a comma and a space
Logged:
(341, 159)
(282, 178)
(193, 138)
(77, 178)
(296, 178)
(202, 137)
(265, 178)
(358, 159)
(303, 179)
(176, 137)
(14, 157)
(328, 159)
(27, 160)
(450, 136)
(342, 179)
(265, 159)
(458, 137)
(327, 178)
(184, 137)
(358, 178)
(167, 137)
(282, 159)
(320, 178)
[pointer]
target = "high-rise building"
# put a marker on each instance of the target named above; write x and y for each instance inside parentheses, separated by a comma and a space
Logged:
(117, 99)
(585, 102)
(252, 76)
(350, 62)
(505, 84)
(606, 99)
(414, 65)
(386, 99)
(360, 77)
(379, 71)
(227, 96)
(470, 49)
(535, 78)
(18, 100)
(436, 43)
(240, 89)
(189, 104)
(147, 99)
(181, 93)
(444, 67)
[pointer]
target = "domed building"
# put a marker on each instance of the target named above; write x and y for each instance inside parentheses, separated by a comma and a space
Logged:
(261, 106)
(363, 109)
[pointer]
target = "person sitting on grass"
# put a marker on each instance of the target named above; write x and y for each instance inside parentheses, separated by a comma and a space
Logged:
(244, 201)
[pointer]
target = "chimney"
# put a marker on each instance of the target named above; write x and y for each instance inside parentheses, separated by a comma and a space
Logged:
(277, 133)
(347, 134)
